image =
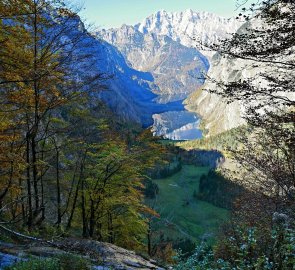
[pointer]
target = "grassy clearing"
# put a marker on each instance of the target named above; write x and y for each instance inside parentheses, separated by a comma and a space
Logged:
(182, 215)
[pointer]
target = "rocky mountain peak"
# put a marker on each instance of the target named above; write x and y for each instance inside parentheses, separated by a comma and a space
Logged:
(183, 26)
(162, 46)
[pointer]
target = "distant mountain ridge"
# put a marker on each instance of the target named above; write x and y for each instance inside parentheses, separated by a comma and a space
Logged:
(128, 91)
(162, 45)
(185, 25)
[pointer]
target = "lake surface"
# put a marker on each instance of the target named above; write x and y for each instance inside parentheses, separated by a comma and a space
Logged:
(177, 125)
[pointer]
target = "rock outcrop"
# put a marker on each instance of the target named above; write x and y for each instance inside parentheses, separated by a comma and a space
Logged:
(103, 256)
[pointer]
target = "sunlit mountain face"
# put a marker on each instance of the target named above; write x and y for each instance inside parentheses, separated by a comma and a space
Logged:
(161, 55)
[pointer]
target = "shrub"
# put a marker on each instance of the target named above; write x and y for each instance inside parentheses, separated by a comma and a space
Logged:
(246, 254)
(73, 262)
(61, 262)
(36, 264)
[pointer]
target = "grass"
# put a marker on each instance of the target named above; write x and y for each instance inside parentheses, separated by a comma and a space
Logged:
(60, 262)
(182, 215)
(36, 264)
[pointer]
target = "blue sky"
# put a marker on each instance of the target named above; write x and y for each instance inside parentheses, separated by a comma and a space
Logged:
(113, 13)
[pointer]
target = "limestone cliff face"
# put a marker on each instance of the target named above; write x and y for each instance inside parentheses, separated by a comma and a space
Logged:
(177, 70)
(188, 24)
(218, 116)
(163, 46)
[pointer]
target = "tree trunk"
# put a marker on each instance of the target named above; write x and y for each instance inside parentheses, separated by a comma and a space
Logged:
(83, 207)
(42, 185)
(35, 175)
(69, 225)
(58, 188)
(36, 111)
(92, 220)
(29, 192)
(110, 228)
(149, 238)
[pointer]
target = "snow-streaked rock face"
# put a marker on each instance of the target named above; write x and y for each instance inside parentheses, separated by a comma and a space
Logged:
(128, 91)
(178, 70)
(162, 46)
(184, 26)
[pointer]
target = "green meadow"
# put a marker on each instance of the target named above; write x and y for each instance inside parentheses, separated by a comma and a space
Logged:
(181, 214)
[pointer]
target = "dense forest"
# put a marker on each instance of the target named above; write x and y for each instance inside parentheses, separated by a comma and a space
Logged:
(70, 167)
(67, 163)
